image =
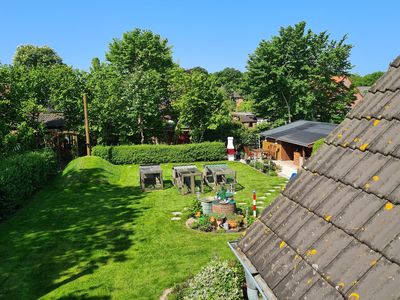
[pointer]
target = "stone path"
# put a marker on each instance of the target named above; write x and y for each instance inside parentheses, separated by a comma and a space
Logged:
(176, 213)
(175, 219)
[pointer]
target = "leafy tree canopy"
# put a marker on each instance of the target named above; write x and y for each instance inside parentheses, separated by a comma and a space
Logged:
(198, 102)
(35, 56)
(290, 76)
(367, 80)
(230, 80)
(140, 49)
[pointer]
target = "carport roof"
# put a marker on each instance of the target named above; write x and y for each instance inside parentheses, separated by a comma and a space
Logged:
(303, 133)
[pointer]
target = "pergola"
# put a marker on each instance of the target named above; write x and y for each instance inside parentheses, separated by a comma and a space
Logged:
(184, 178)
(151, 176)
(219, 174)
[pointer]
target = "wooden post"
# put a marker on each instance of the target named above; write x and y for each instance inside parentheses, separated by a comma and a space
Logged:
(88, 150)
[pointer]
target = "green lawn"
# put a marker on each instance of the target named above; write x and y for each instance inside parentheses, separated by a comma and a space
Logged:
(92, 234)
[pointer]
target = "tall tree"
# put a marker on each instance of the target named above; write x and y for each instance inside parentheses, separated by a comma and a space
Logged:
(290, 76)
(199, 103)
(143, 96)
(105, 104)
(140, 49)
(34, 56)
(230, 80)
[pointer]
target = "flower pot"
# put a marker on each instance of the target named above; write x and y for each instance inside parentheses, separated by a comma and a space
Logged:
(232, 224)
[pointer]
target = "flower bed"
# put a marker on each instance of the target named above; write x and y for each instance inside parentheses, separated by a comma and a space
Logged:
(226, 220)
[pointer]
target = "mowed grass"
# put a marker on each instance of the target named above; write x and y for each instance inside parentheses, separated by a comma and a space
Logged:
(92, 234)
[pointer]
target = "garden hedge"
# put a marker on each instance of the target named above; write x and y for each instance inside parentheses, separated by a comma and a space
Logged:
(21, 175)
(155, 154)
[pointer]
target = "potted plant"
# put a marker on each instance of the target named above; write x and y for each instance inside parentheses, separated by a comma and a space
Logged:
(232, 221)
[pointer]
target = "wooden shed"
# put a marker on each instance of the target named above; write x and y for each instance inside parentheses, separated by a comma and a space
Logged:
(294, 141)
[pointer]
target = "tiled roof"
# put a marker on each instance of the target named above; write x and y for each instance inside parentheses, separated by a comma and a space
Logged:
(334, 232)
(52, 120)
(245, 117)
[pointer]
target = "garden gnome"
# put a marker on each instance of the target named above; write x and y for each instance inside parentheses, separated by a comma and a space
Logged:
(230, 149)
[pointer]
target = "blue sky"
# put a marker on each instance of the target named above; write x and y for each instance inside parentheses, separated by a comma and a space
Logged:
(213, 34)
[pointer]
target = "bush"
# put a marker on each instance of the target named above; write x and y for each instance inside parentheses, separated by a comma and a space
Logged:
(195, 207)
(155, 154)
(217, 280)
(269, 167)
(21, 175)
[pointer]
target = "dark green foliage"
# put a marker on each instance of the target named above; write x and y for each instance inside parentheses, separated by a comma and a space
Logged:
(21, 175)
(140, 49)
(195, 207)
(146, 154)
(203, 224)
(367, 80)
(290, 76)
(268, 167)
(217, 280)
(230, 80)
(34, 56)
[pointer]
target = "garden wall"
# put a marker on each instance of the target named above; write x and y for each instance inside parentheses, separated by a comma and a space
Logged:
(21, 175)
(155, 154)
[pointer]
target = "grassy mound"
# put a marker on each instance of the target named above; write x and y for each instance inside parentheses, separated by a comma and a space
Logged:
(84, 169)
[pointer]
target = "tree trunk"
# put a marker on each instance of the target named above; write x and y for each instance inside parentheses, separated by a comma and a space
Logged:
(288, 108)
(140, 123)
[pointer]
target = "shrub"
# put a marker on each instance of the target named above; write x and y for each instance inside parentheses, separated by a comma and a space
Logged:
(217, 280)
(21, 175)
(203, 224)
(269, 167)
(195, 207)
(155, 154)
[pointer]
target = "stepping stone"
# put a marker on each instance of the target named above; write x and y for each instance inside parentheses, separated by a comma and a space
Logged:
(262, 197)
(175, 219)
(260, 202)
(267, 194)
(271, 190)
(176, 213)
(185, 208)
(242, 203)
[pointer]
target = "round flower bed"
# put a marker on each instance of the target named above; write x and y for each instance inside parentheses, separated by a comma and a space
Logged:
(229, 219)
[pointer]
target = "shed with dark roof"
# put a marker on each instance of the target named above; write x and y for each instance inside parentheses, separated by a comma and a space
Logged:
(294, 140)
(246, 118)
(334, 232)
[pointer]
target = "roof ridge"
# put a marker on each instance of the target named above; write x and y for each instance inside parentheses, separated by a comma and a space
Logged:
(396, 62)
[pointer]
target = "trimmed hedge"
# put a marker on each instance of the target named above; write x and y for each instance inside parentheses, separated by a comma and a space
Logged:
(155, 154)
(21, 175)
